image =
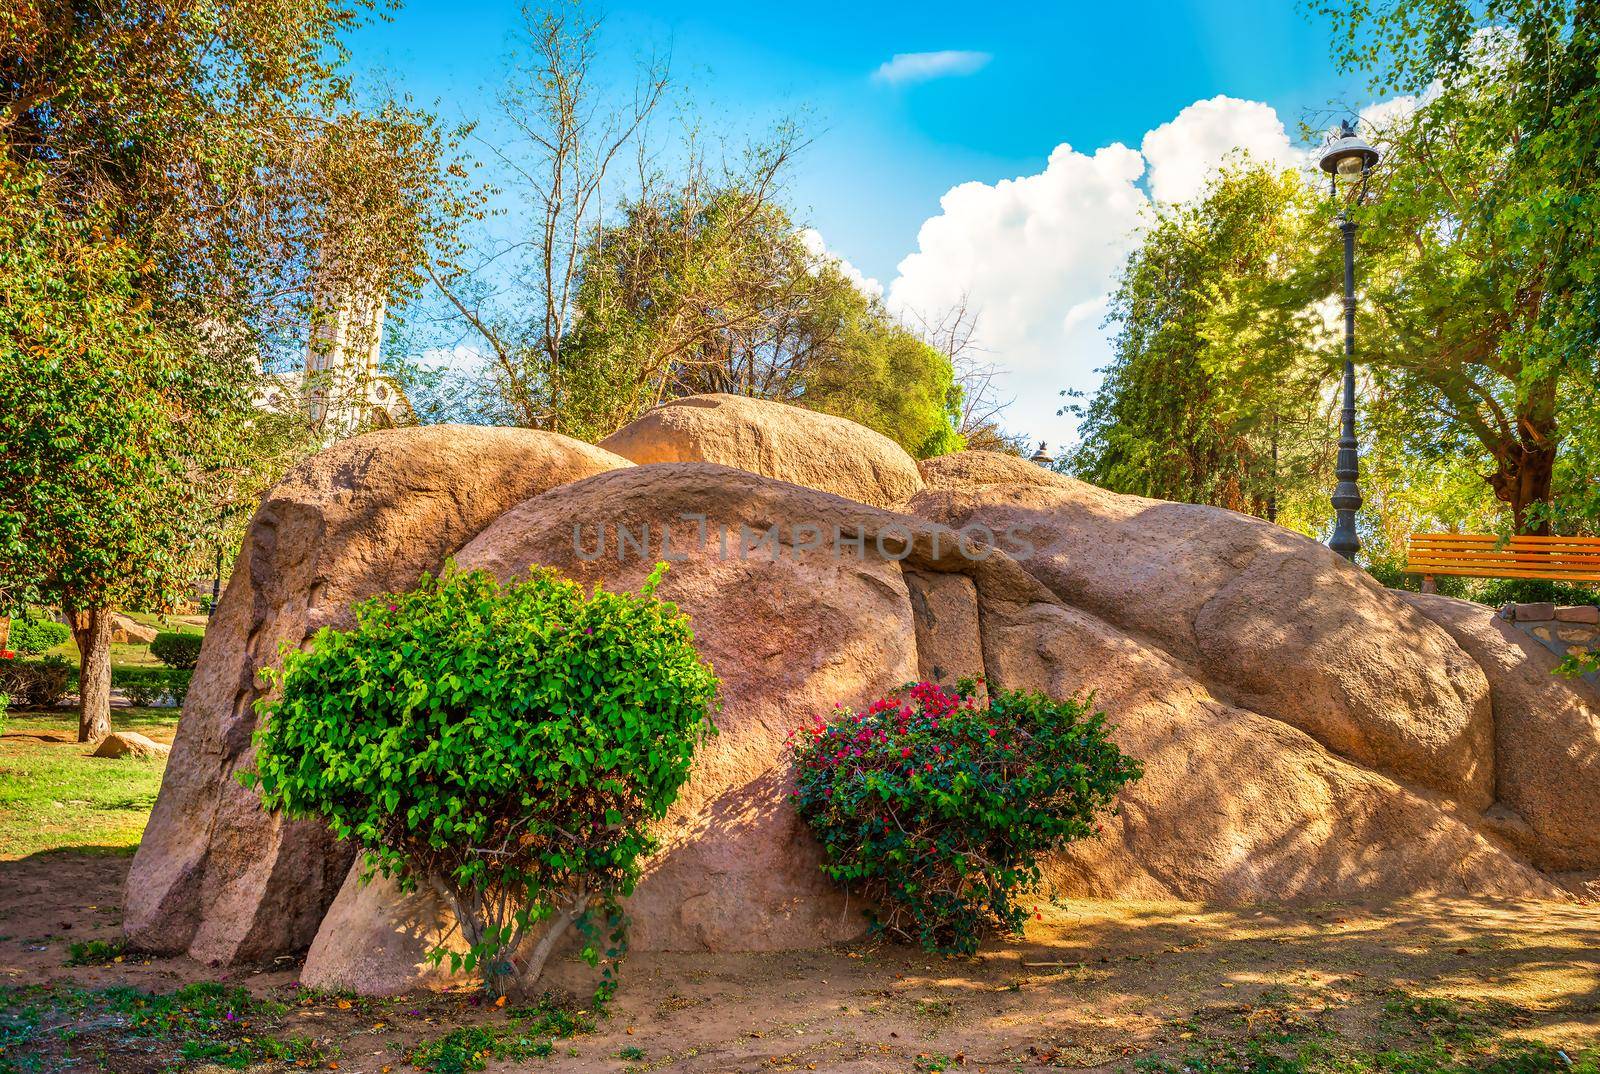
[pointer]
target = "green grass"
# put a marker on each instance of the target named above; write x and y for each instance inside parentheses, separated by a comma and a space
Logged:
(162, 622)
(528, 1033)
(96, 952)
(53, 795)
(62, 1027)
(132, 654)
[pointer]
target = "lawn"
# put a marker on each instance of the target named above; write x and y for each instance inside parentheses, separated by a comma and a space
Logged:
(53, 795)
(137, 654)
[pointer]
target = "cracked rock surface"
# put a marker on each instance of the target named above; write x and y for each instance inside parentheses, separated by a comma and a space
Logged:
(1306, 733)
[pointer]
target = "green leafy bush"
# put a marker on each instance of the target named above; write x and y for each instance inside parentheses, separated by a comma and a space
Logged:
(150, 687)
(506, 747)
(33, 636)
(35, 684)
(1496, 592)
(177, 650)
(938, 808)
(1577, 662)
(528, 1033)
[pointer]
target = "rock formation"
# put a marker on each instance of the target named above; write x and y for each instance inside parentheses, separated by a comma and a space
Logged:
(130, 744)
(818, 451)
(214, 875)
(1305, 732)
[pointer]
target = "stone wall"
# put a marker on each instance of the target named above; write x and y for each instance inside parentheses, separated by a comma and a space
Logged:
(1561, 629)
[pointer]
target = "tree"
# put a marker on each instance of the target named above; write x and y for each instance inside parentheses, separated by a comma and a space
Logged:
(518, 296)
(714, 289)
(690, 280)
(93, 506)
(1179, 416)
(1483, 239)
(887, 377)
(195, 175)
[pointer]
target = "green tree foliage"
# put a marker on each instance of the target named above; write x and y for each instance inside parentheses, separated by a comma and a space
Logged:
(94, 511)
(1179, 415)
(717, 291)
(1483, 233)
(180, 184)
(939, 808)
(507, 748)
(1478, 263)
(887, 377)
(691, 281)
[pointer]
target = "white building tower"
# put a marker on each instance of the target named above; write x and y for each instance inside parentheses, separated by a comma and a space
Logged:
(343, 388)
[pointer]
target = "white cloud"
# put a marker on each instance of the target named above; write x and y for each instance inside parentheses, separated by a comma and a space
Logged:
(909, 67)
(819, 249)
(1184, 152)
(1037, 256)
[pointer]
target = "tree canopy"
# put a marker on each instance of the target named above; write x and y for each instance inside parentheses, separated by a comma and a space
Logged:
(688, 278)
(1179, 416)
(1478, 258)
(180, 185)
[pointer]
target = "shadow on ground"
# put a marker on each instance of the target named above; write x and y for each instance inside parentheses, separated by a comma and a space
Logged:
(1094, 985)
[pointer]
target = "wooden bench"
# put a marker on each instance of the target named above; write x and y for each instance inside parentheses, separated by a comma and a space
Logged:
(1558, 559)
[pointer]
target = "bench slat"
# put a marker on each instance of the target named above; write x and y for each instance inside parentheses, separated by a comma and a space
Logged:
(1572, 559)
(1480, 572)
(1527, 549)
(1576, 562)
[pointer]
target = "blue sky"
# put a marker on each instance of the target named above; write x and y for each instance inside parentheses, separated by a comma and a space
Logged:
(885, 152)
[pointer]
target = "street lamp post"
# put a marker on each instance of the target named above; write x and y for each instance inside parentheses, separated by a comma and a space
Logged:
(1347, 157)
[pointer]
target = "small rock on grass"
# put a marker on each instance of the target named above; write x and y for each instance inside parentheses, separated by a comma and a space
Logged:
(130, 744)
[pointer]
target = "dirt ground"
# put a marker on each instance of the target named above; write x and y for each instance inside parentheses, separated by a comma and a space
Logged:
(1102, 986)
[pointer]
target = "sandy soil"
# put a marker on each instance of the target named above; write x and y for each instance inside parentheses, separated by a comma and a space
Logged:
(1093, 986)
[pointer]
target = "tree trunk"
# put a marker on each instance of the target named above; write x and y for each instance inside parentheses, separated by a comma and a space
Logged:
(1522, 480)
(91, 629)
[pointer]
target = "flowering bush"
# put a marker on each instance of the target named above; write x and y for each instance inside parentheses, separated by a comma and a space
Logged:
(506, 748)
(938, 808)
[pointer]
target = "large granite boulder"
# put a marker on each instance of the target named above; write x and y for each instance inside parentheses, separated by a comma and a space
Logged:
(1305, 732)
(1270, 621)
(214, 875)
(819, 451)
(1235, 805)
(1547, 738)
